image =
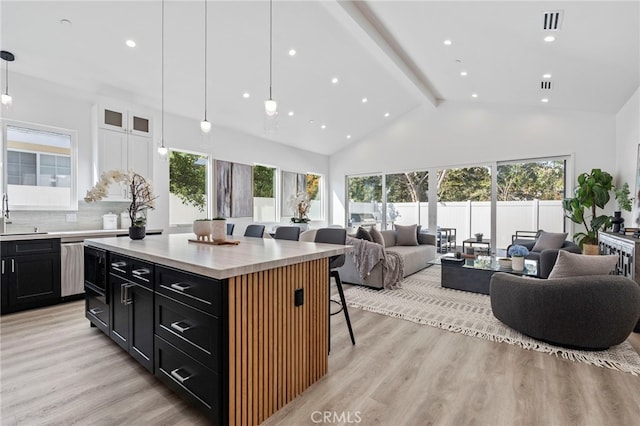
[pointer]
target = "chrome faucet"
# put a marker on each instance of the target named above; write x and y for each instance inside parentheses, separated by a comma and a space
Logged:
(6, 218)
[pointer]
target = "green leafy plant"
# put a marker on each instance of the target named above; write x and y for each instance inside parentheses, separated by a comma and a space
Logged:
(623, 197)
(592, 192)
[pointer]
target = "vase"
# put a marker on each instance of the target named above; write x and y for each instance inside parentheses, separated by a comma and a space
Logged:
(137, 232)
(304, 226)
(617, 220)
(202, 229)
(517, 263)
(219, 230)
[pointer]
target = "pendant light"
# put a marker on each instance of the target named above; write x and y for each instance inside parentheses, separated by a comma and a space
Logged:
(205, 126)
(6, 98)
(270, 106)
(162, 150)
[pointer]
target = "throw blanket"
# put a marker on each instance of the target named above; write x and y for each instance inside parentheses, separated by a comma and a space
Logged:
(366, 255)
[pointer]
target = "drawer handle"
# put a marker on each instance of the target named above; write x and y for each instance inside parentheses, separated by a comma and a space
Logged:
(180, 286)
(181, 326)
(138, 273)
(118, 265)
(95, 311)
(176, 375)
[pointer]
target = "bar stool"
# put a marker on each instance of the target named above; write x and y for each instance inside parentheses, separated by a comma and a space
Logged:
(336, 236)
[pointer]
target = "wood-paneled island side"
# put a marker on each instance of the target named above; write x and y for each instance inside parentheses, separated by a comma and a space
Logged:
(237, 330)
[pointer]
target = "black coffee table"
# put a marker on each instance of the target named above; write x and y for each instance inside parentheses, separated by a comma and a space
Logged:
(474, 275)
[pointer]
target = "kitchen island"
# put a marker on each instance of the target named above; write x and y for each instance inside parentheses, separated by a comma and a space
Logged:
(238, 330)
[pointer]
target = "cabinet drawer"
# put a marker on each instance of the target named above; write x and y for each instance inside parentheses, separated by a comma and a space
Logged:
(189, 378)
(49, 245)
(141, 273)
(194, 290)
(97, 310)
(193, 331)
(119, 265)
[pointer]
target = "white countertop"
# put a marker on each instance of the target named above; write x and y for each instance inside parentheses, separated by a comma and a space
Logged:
(71, 236)
(224, 261)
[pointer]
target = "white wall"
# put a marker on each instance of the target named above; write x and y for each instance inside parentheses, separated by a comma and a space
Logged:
(41, 102)
(627, 141)
(458, 133)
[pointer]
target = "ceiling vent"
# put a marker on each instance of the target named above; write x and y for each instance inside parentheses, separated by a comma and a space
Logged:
(545, 85)
(552, 20)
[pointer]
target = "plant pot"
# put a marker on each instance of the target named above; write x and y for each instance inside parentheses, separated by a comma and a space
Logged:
(219, 230)
(304, 226)
(517, 263)
(202, 229)
(591, 249)
(137, 232)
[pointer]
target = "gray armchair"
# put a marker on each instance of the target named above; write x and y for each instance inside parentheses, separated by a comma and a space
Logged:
(546, 258)
(590, 312)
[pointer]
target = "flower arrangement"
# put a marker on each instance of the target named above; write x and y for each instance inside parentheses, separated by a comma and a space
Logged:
(142, 198)
(518, 251)
(300, 205)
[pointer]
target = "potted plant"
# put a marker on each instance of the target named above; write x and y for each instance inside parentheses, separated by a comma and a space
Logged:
(142, 198)
(623, 202)
(219, 228)
(300, 205)
(592, 192)
(517, 253)
(202, 229)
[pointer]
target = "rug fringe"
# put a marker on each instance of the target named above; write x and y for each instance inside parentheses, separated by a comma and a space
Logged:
(573, 355)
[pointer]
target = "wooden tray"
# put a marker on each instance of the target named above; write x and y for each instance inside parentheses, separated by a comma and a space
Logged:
(217, 243)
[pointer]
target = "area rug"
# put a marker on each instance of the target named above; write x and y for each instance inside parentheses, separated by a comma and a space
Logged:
(421, 299)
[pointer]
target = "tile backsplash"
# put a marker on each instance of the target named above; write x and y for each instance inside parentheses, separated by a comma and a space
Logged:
(88, 217)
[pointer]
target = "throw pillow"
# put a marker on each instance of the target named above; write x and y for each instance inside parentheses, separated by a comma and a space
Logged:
(406, 235)
(575, 265)
(363, 234)
(376, 236)
(549, 240)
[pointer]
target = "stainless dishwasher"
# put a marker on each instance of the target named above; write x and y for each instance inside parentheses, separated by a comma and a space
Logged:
(72, 269)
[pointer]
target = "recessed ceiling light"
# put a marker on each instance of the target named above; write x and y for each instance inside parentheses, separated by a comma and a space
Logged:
(474, 95)
(311, 121)
(547, 75)
(292, 52)
(348, 136)
(544, 100)
(290, 113)
(130, 43)
(386, 114)
(463, 73)
(447, 42)
(65, 22)
(549, 39)
(364, 100)
(246, 95)
(324, 126)
(334, 80)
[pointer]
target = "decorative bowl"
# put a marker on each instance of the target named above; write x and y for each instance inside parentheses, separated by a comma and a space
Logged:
(504, 262)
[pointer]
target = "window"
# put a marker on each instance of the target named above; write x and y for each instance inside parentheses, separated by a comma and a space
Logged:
(264, 194)
(406, 201)
(41, 167)
(365, 201)
(189, 176)
(314, 189)
(293, 183)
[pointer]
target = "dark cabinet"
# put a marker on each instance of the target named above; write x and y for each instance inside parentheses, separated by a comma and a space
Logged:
(131, 303)
(30, 274)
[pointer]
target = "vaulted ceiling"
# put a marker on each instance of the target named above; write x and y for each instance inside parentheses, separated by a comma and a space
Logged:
(390, 52)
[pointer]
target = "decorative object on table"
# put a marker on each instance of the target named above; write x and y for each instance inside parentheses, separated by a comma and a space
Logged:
(623, 202)
(300, 204)
(202, 229)
(140, 191)
(458, 255)
(591, 192)
(482, 262)
(216, 243)
(505, 262)
(219, 229)
(517, 253)
(478, 236)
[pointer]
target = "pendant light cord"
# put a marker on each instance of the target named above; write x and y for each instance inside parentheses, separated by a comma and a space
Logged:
(270, 44)
(6, 78)
(162, 75)
(205, 59)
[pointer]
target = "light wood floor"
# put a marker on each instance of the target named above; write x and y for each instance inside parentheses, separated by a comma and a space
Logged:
(56, 370)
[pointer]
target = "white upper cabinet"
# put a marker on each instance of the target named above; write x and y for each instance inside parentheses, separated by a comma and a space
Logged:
(122, 142)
